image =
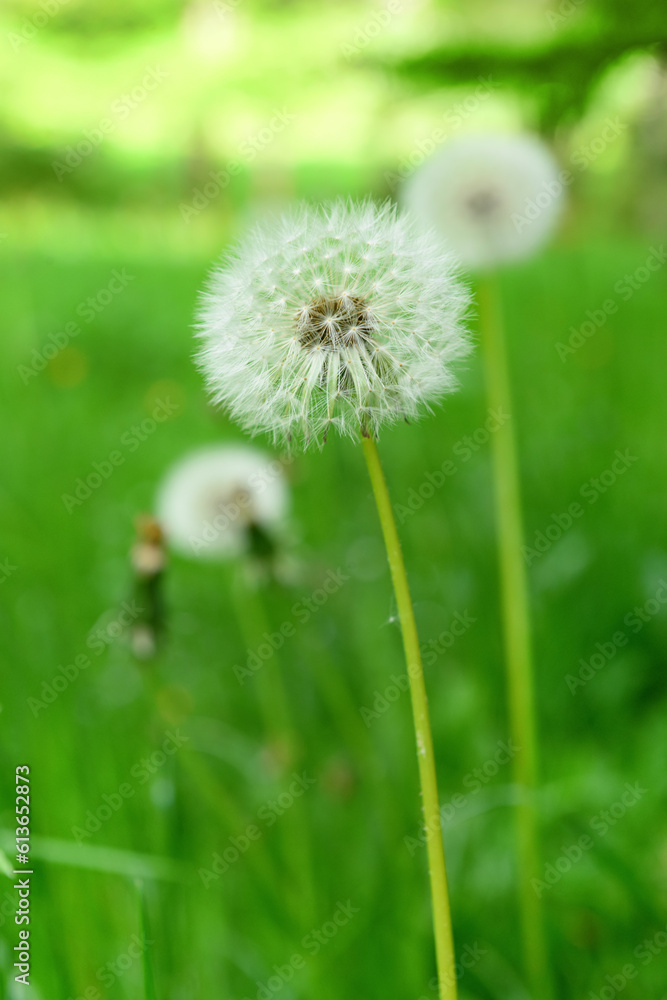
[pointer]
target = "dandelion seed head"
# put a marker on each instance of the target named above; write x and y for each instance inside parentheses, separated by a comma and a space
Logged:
(209, 499)
(493, 198)
(359, 325)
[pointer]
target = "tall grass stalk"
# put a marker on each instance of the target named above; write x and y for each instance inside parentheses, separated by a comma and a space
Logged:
(146, 954)
(281, 731)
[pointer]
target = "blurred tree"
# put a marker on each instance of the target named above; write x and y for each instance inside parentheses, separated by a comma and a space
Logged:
(104, 20)
(559, 70)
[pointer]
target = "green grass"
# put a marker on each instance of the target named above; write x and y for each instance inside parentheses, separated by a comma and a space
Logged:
(72, 568)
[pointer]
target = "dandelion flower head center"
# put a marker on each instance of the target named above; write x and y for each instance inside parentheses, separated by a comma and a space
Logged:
(483, 203)
(335, 323)
(479, 192)
(232, 500)
(212, 498)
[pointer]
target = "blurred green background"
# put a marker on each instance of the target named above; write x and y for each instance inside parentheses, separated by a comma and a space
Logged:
(113, 119)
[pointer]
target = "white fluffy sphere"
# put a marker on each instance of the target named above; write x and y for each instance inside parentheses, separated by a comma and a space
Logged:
(493, 198)
(340, 317)
(209, 498)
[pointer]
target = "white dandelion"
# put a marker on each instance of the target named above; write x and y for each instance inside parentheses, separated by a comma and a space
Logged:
(217, 502)
(340, 317)
(345, 317)
(493, 198)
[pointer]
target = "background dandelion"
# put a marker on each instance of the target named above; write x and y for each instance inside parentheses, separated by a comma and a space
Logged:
(215, 502)
(494, 199)
(230, 502)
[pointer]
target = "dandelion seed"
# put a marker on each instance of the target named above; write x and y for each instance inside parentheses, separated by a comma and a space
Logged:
(495, 199)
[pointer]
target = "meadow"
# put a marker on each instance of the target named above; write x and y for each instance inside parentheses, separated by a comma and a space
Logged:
(239, 815)
(140, 871)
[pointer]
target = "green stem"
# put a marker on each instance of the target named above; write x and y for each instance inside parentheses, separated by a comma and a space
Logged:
(147, 955)
(217, 798)
(275, 707)
(517, 639)
(444, 944)
(270, 689)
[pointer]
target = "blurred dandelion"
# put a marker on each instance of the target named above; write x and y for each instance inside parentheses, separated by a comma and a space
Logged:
(230, 503)
(493, 198)
(224, 501)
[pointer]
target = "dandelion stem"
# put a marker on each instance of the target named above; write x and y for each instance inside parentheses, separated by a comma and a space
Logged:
(147, 957)
(272, 695)
(517, 639)
(444, 944)
(280, 727)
